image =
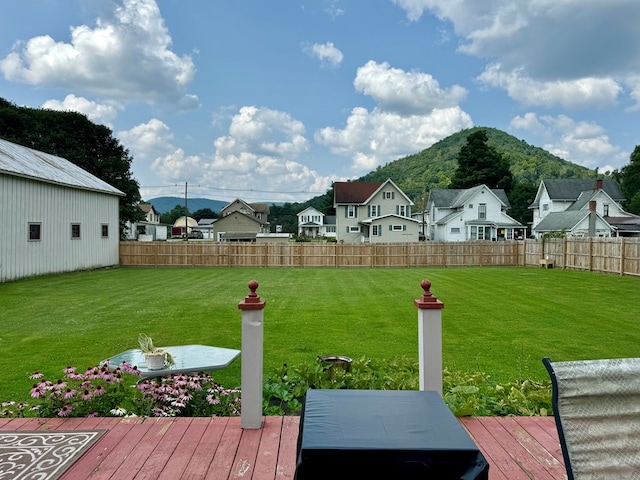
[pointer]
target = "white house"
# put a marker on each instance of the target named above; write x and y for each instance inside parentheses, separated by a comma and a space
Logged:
(373, 212)
(582, 208)
(478, 213)
(313, 223)
(148, 229)
(56, 217)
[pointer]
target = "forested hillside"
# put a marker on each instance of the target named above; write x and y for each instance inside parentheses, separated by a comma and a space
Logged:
(435, 166)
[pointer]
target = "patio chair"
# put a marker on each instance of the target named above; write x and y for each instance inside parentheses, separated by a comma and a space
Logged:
(596, 404)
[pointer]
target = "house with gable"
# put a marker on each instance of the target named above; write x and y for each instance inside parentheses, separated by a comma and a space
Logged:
(241, 221)
(478, 213)
(373, 212)
(582, 208)
(149, 228)
(313, 223)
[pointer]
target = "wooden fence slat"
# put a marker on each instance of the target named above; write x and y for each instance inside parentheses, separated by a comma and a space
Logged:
(620, 256)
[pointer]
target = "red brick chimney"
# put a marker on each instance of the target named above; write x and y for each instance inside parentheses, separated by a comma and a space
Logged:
(599, 184)
(592, 205)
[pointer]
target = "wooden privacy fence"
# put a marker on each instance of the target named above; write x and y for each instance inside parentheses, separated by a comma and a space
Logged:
(608, 255)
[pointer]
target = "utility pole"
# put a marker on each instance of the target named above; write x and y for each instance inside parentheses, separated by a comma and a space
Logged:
(186, 215)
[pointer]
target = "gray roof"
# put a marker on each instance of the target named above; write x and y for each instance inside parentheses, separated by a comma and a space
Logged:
(456, 197)
(20, 161)
(558, 221)
(571, 188)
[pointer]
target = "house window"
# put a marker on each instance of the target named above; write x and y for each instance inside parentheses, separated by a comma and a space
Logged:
(606, 210)
(397, 228)
(351, 229)
(351, 211)
(75, 230)
(376, 231)
(401, 210)
(35, 231)
(388, 195)
(331, 229)
(455, 230)
(482, 211)
(471, 205)
(545, 207)
(374, 210)
(105, 230)
(480, 233)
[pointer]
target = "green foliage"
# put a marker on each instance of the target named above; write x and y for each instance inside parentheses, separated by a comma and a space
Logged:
(169, 218)
(630, 182)
(521, 196)
(73, 136)
(479, 163)
(435, 166)
(465, 393)
(203, 213)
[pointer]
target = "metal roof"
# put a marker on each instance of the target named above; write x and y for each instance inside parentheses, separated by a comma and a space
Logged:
(20, 161)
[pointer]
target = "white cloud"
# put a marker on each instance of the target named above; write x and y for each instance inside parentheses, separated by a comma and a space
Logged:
(260, 153)
(125, 57)
(375, 138)
(580, 92)
(327, 53)
(100, 113)
(405, 92)
(580, 142)
(412, 113)
(580, 48)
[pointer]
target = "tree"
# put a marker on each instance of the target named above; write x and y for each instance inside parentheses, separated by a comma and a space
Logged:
(73, 136)
(478, 163)
(521, 196)
(169, 218)
(203, 213)
(630, 182)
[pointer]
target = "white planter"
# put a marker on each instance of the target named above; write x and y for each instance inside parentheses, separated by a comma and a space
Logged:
(155, 361)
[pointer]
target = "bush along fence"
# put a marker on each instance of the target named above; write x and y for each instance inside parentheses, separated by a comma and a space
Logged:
(620, 256)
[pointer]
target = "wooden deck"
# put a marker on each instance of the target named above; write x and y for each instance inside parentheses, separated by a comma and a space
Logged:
(218, 448)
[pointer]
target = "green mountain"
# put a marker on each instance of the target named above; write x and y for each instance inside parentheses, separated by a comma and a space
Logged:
(166, 204)
(435, 166)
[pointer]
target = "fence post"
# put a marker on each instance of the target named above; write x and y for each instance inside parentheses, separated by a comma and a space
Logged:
(429, 339)
(252, 346)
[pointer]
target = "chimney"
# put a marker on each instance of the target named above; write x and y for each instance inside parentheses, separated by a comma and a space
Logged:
(599, 184)
(592, 217)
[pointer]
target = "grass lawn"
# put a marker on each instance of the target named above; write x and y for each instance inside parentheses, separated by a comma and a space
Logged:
(498, 320)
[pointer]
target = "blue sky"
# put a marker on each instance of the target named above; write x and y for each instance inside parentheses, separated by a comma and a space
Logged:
(272, 101)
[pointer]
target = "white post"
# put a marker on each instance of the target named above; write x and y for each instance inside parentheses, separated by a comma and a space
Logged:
(252, 346)
(429, 339)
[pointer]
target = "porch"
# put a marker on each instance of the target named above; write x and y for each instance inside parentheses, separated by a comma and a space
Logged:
(218, 448)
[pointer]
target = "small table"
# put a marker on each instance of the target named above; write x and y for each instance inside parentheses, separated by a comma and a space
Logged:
(188, 359)
(347, 434)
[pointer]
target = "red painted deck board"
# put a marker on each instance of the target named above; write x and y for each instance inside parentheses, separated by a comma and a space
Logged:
(218, 448)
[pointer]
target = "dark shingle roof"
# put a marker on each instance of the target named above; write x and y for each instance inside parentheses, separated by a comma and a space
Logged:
(571, 188)
(354, 192)
(558, 221)
(455, 197)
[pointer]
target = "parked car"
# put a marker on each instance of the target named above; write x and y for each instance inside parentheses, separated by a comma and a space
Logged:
(196, 234)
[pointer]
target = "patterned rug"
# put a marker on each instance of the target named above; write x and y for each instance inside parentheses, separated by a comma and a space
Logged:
(30, 455)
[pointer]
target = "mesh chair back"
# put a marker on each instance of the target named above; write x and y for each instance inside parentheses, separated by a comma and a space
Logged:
(596, 405)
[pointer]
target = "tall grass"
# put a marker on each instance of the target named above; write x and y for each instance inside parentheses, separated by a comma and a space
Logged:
(498, 320)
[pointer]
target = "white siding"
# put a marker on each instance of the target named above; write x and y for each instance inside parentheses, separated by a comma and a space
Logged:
(24, 201)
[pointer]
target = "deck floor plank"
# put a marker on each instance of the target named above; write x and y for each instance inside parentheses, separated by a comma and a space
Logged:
(203, 454)
(225, 454)
(185, 449)
(218, 448)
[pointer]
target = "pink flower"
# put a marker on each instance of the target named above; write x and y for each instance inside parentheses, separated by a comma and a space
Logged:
(65, 411)
(69, 393)
(99, 390)
(69, 369)
(36, 391)
(92, 415)
(86, 394)
(36, 375)
(60, 385)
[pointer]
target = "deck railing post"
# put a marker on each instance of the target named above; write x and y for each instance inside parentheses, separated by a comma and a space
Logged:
(252, 347)
(429, 339)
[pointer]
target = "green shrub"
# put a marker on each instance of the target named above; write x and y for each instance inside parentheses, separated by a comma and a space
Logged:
(465, 393)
